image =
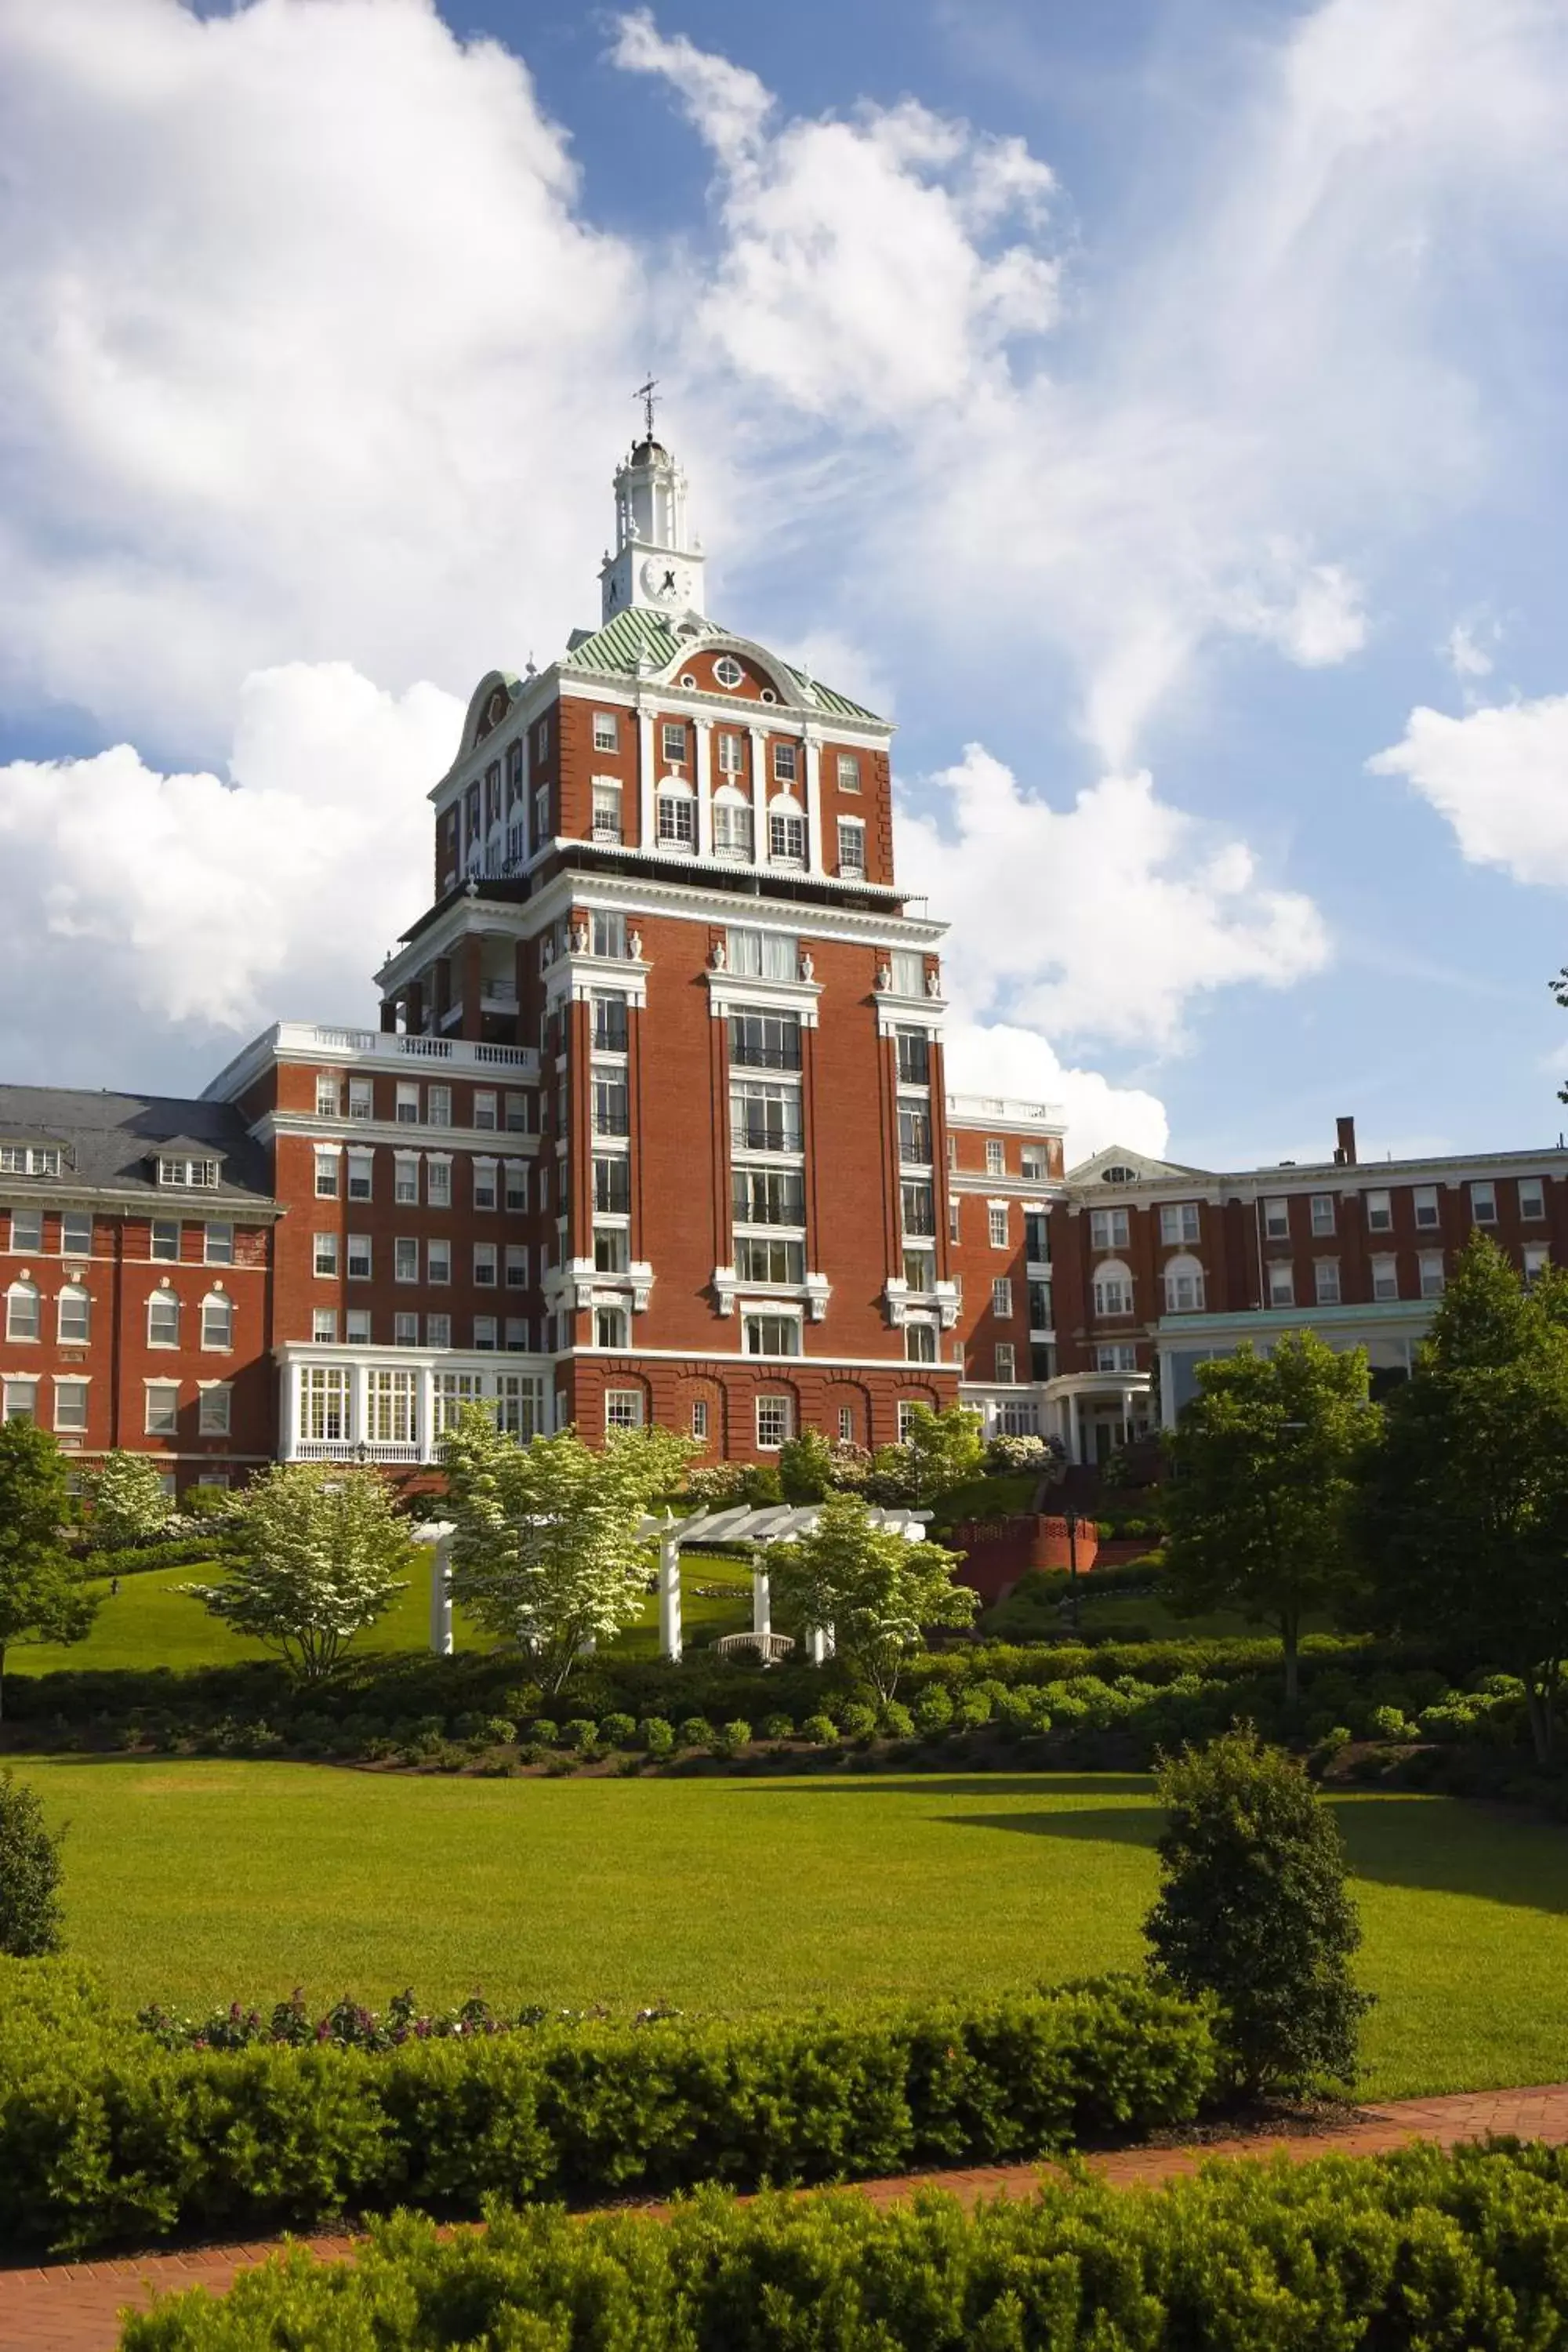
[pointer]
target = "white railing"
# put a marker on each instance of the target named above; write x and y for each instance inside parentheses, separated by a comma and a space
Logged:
(965, 1108)
(387, 1046)
(342, 1449)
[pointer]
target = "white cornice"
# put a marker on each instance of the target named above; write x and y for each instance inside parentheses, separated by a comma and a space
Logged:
(402, 1136)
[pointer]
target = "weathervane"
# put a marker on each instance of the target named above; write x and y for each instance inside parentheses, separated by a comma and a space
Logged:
(644, 392)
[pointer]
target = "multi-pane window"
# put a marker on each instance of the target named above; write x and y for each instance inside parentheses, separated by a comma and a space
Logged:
(1040, 1316)
(1379, 1212)
(217, 1321)
(761, 1257)
(438, 1261)
(324, 1254)
(848, 772)
(765, 1041)
(514, 773)
(699, 1420)
(607, 810)
(612, 1249)
(771, 1334)
(1108, 1229)
(786, 762)
(995, 1157)
(677, 819)
(362, 1098)
(622, 1408)
(1532, 1199)
(1036, 1237)
(404, 1259)
(1326, 1281)
(517, 1343)
(485, 1184)
(76, 1233)
(213, 1409)
(1032, 1162)
(908, 972)
(1433, 1276)
(163, 1414)
(73, 1311)
(607, 731)
(1322, 1212)
(515, 1262)
(326, 1404)
(919, 1341)
(609, 1021)
(608, 935)
(362, 1175)
(485, 1109)
(392, 1408)
(516, 1107)
(1425, 1202)
(611, 1329)
(730, 753)
(405, 1330)
(438, 1330)
(324, 1325)
(673, 739)
(851, 846)
(1281, 1283)
(27, 1230)
(18, 1397)
(734, 827)
(1483, 1204)
(768, 1196)
(1386, 1277)
(762, 955)
(439, 1181)
(406, 1179)
(218, 1245)
(612, 1103)
(1178, 1224)
(914, 1135)
(359, 1258)
(1112, 1290)
(764, 1116)
(1277, 1221)
(438, 1105)
(996, 1223)
(485, 1330)
(1005, 1361)
(786, 835)
(22, 1312)
(484, 1260)
(541, 816)
(356, 1327)
(326, 1094)
(516, 1184)
(70, 1407)
(163, 1319)
(326, 1175)
(1002, 1297)
(916, 1199)
(954, 1219)
(914, 1057)
(407, 1102)
(919, 1269)
(612, 1185)
(1183, 1279)
(1117, 1356)
(31, 1160)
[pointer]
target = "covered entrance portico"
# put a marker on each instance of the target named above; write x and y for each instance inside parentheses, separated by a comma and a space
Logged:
(1098, 1414)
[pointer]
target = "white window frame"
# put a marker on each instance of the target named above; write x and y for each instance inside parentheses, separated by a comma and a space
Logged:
(75, 1388)
(623, 1409)
(324, 1256)
(774, 1422)
(1326, 1291)
(996, 1222)
(1385, 1276)
(1280, 1275)
(24, 1313)
(1532, 1199)
(1433, 1268)
(218, 1318)
(167, 1396)
(1109, 1229)
(168, 1299)
(215, 1409)
(1483, 1192)
(1323, 1215)
(1179, 1225)
(1002, 1297)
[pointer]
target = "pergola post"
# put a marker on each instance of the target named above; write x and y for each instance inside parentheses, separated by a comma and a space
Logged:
(439, 1538)
(669, 1591)
(761, 1598)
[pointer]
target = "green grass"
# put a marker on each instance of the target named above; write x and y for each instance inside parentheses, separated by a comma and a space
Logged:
(193, 1881)
(150, 1622)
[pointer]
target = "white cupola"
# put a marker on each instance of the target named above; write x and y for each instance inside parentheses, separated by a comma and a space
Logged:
(656, 566)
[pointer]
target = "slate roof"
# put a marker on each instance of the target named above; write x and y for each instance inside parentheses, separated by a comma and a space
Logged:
(615, 650)
(110, 1137)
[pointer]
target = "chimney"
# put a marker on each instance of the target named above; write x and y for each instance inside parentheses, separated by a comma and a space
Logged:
(1345, 1151)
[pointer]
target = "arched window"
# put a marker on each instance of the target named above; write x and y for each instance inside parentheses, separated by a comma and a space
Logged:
(787, 830)
(217, 1321)
(163, 1319)
(73, 1309)
(1183, 1285)
(734, 834)
(22, 1311)
(676, 814)
(1113, 1288)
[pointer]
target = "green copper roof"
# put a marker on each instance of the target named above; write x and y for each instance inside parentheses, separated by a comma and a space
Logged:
(616, 649)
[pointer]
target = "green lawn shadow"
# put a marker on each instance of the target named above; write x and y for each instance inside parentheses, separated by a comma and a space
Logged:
(969, 1784)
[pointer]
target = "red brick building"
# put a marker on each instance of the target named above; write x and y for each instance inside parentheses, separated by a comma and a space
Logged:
(654, 1125)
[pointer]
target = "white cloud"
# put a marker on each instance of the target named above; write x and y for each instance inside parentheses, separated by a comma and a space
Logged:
(1499, 776)
(163, 919)
(998, 1059)
(1465, 656)
(1101, 922)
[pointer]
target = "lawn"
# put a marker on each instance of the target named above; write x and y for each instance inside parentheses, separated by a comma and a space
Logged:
(150, 1622)
(192, 1880)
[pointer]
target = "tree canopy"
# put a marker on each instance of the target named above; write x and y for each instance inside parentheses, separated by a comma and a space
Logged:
(1264, 1465)
(547, 1550)
(129, 1504)
(1463, 1523)
(43, 1595)
(876, 1589)
(321, 1553)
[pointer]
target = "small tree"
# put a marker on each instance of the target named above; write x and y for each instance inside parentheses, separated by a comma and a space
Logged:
(876, 1589)
(43, 1594)
(945, 1448)
(29, 1874)
(1264, 1465)
(1253, 1908)
(129, 1504)
(548, 1548)
(321, 1554)
(805, 1467)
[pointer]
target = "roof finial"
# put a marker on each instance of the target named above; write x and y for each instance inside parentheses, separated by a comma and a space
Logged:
(644, 392)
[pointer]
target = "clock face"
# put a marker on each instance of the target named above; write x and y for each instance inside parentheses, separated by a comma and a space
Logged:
(663, 580)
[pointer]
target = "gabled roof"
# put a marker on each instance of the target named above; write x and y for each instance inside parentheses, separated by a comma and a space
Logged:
(620, 649)
(1146, 1169)
(111, 1141)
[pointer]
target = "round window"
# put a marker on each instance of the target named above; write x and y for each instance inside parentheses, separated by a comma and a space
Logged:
(689, 679)
(768, 695)
(728, 670)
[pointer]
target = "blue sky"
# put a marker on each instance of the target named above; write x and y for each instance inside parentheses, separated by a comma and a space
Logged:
(1157, 407)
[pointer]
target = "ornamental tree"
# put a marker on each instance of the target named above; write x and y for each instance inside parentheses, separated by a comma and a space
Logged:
(1264, 1467)
(44, 1596)
(944, 1447)
(320, 1553)
(548, 1549)
(1463, 1520)
(876, 1589)
(29, 1874)
(128, 1499)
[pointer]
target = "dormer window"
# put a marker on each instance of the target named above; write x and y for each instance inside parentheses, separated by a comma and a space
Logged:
(31, 1159)
(1119, 1173)
(192, 1175)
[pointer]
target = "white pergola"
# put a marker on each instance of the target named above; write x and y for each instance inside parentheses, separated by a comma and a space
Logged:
(756, 1525)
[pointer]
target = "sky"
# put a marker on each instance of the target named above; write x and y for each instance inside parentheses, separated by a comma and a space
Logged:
(1155, 410)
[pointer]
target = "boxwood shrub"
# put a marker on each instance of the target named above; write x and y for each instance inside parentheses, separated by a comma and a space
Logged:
(106, 2137)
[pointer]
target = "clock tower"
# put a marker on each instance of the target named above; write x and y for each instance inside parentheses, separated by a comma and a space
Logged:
(658, 565)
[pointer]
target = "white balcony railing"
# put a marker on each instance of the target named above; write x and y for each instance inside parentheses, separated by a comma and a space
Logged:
(386, 1047)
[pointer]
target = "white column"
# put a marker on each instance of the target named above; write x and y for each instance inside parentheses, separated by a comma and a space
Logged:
(670, 1596)
(762, 785)
(291, 1403)
(441, 1593)
(426, 1414)
(1074, 1428)
(762, 1600)
(360, 1430)
(645, 777)
(814, 805)
(703, 785)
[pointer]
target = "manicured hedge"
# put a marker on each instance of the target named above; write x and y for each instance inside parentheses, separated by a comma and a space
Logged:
(1418, 2252)
(107, 2138)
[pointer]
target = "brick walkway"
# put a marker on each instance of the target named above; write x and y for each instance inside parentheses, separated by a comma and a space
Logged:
(76, 2307)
